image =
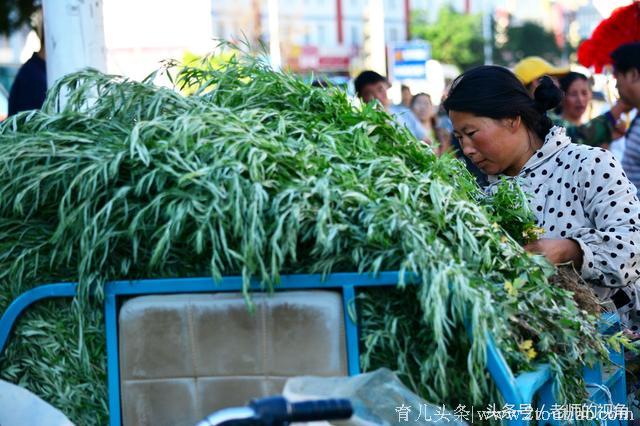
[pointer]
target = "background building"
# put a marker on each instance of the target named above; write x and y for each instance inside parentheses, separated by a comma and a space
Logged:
(135, 47)
(324, 36)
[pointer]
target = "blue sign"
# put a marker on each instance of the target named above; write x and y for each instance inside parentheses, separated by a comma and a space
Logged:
(409, 60)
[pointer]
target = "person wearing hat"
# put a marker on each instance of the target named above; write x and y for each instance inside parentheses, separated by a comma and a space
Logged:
(599, 131)
(531, 69)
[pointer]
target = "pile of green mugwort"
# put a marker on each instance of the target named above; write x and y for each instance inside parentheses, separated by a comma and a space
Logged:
(256, 173)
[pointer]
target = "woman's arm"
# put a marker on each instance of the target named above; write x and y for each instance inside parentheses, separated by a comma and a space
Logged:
(611, 247)
(600, 130)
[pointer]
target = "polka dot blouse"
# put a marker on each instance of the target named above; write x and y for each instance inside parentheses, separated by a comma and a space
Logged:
(580, 192)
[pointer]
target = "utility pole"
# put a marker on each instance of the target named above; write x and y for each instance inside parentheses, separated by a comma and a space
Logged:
(487, 33)
(257, 22)
(339, 22)
(374, 47)
(407, 18)
(274, 35)
(74, 37)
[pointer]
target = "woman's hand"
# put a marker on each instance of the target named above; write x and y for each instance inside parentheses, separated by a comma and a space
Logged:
(557, 250)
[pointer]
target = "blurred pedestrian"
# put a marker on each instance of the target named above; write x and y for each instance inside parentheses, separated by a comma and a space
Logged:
(626, 64)
(427, 114)
(423, 109)
(371, 86)
(406, 96)
(626, 68)
(29, 88)
(531, 69)
(577, 96)
(599, 131)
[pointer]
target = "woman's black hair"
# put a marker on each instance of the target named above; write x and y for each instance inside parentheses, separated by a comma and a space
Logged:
(568, 79)
(495, 92)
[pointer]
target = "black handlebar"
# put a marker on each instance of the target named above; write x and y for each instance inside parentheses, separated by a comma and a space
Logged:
(328, 409)
(277, 411)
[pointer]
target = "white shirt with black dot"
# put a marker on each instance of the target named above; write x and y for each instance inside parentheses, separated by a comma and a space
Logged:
(582, 193)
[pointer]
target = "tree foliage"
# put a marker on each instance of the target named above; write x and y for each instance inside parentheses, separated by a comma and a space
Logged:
(455, 38)
(16, 13)
(528, 39)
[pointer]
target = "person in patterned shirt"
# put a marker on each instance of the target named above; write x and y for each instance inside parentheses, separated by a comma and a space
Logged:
(371, 86)
(580, 195)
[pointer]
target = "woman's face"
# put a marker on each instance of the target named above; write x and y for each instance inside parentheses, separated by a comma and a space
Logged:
(494, 146)
(423, 108)
(576, 100)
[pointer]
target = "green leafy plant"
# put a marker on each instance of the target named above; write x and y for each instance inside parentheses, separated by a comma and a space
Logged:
(509, 207)
(258, 174)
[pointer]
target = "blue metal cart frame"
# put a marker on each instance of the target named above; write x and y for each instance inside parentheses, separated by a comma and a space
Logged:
(515, 390)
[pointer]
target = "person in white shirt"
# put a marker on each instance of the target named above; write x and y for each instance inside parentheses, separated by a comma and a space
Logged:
(371, 86)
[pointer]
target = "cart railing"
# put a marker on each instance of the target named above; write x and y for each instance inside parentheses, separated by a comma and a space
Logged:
(525, 388)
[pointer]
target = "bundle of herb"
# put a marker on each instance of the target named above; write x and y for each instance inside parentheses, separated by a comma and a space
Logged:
(256, 173)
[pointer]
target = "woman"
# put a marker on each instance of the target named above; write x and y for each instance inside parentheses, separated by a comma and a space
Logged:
(599, 131)
(424, 110)
(577, 97)
(579, 194)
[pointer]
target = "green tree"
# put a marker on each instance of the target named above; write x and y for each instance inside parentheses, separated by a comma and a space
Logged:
(455, 38)
(215, 60)
(529, 39)
(16, 13)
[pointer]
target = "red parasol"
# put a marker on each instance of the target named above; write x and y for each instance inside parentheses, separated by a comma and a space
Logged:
(623, 26)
